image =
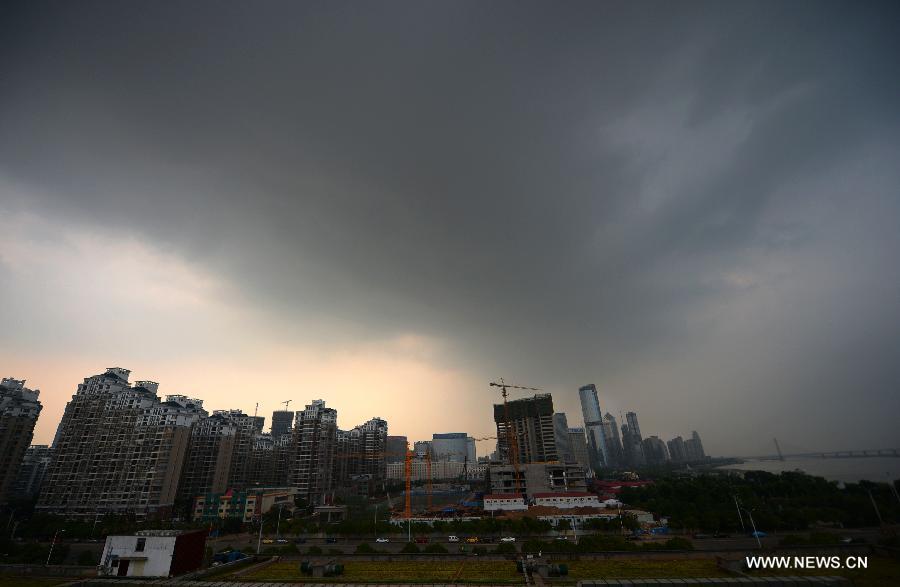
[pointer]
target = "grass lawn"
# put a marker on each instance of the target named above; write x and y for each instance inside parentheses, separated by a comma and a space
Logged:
(881, 571)
(645, 569)
(394, 572)
(481, 571)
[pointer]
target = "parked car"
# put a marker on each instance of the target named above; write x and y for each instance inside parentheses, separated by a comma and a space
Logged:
(452, 538)
(508, 539)
(472, 539)
(421, 539)
(282, 541)
(561, 538)
(268, 541)
(381, 540)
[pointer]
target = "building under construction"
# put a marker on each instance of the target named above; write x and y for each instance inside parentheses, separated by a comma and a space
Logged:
(530, 422)
(536, 478)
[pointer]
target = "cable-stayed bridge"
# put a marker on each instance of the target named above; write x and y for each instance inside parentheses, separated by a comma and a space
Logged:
(833, 454)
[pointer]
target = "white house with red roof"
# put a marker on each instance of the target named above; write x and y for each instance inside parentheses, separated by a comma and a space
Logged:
(567, 499)
(504, 501)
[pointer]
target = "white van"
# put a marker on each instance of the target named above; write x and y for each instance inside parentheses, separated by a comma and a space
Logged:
(452, 539)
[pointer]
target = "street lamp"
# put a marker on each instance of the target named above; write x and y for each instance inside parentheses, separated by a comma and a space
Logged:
(52, 544)
(278, 525)
(259, 540)
(752, 525)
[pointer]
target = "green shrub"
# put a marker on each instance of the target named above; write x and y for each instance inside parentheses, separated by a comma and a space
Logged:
(435, 549)
(314, 550)
(365, 548)
(505, 548)
(410, 548)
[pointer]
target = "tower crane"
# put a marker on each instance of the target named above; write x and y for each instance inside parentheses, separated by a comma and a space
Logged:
(511, 444)
(287, 404)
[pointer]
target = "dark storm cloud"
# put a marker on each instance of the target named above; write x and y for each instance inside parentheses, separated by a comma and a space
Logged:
(561, 190)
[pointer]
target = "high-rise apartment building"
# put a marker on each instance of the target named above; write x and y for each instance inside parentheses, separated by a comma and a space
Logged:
(282, 421)
(247, 428)
(580, 449)
(530, 423)
(314, 444)
(593, 425)
(676, 449)
(32, 472)
(362, 451)
(612, 440)
(119, 449)
(269, 460)
(471, 451)
(450, 446)
(632, 446)
(693, 448)
(19, 410)
(632, 420)
(396, 449)
(422, 448)
(561, 436)
(207, 464)
(655, 451)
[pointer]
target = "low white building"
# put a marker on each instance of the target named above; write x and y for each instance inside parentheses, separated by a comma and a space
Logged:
(153, 553)
(504, 501)
(569, 499)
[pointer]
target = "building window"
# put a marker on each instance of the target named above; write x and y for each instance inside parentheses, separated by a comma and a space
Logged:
(141, 542)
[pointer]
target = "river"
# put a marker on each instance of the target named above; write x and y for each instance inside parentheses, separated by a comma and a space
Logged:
(847, 470)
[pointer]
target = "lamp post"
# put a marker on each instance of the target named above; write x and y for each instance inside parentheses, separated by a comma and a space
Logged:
(259, 539)
(740, 517)
(753, 525)
(278, 524)
(52, 544)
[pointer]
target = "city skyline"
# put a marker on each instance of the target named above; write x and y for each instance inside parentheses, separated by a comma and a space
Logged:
(694, 208)
(265, 418)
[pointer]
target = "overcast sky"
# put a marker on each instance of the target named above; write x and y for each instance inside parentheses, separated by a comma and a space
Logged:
(387, 205)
